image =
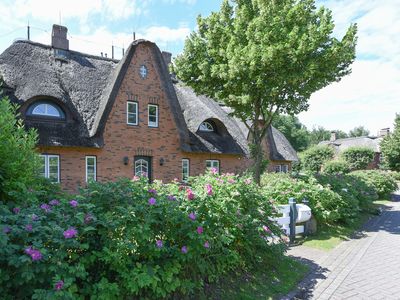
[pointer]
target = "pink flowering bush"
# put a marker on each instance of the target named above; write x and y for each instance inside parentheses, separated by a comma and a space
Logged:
(131, 239)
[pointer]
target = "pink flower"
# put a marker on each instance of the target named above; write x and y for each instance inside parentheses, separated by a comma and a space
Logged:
(45, 207)
(73, 203)
(248, 181)
(152, 191)
(214, 171)
(231, 180)
(28, 227)
(171, 198)
(200, 230)
(16, 210)
(135, 178)
(207, 245)
(88, 218)
(184, 249)
(35, 217)
(189, 194)
(209, 189)
(266, 228)
(6, 230)
(34, 254)
(59, 285)
(192, 216)
(152, 201)
(54, 202)
(70, 233)
(159, 243)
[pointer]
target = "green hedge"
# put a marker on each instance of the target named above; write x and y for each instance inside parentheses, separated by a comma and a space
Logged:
(313, 158)
(358, 158)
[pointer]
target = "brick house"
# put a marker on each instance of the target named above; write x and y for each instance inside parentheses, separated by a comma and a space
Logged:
(100, 118)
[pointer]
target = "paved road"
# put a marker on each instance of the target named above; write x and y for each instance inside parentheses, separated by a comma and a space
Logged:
(366, 267)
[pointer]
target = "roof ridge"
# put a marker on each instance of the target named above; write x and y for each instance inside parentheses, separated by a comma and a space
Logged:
(71, 51)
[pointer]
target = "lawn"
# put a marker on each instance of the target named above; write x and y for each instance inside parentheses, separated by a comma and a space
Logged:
(328, 237)
(264, 283)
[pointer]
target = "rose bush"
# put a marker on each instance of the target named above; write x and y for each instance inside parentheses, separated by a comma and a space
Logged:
(132, 239)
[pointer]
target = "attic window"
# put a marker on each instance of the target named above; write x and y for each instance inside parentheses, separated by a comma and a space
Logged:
(206, 126)
(45, 109)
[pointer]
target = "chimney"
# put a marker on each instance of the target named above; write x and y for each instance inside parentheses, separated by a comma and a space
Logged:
(333, 136)
(59, 37)
(167, 57)
(384, 132)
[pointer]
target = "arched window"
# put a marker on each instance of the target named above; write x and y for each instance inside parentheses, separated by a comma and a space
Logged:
(45, 109)
(141, 168)
(206, 126)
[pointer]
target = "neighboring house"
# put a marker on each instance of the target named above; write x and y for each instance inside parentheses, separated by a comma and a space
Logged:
(371, 142)
(100, 118)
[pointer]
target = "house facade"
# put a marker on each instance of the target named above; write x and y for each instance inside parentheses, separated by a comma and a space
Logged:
(101, 119)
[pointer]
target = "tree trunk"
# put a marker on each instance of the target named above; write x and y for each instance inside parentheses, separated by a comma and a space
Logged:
(257, 154)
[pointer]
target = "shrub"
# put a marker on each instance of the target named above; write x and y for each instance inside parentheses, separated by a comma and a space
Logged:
(383, 183)
(133, 239)
(390, 147)
(358, 158)
(19, 163)
(350, 188)
(336, 167)
(313, 158)
(327, 206)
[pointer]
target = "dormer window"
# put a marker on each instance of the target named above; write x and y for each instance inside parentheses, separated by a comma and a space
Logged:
(45, 109)
(206, 126)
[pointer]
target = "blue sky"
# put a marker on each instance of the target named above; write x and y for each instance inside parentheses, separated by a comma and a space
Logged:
(370, 96)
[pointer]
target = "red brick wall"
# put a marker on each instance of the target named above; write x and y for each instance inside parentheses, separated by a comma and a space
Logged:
(122, 140)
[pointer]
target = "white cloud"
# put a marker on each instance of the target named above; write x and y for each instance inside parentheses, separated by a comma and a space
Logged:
(370, 95)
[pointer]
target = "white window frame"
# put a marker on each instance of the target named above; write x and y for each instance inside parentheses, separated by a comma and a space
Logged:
(185, 161)
(150, 123)
(278, 168)
(128, 113)
(206, 127)
(47, 165)
(212, 162)
(95, 167)
(142, 163)
(284, 168)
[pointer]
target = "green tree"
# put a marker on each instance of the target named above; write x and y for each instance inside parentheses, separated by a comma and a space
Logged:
(19, 163)
(263, 57)
(390, 147)
(319, 134)
(359, 131)
(296, 133)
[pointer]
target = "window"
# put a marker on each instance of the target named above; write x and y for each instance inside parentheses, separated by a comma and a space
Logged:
(132, 113)
(185, 169)
(50, 167)
(153, 115)
(141, 168)
(281, 168)
(45, 109)
(212, 163)
(206, 126)
(143, 71)
(91, 168)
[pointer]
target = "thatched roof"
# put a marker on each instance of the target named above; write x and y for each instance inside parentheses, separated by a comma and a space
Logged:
(340, 145)
(86, 87)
